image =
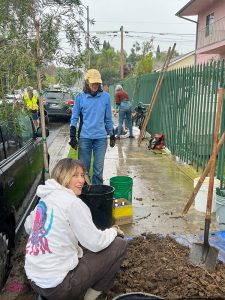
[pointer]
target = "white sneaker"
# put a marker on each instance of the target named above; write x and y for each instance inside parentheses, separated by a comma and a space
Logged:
(92, 294)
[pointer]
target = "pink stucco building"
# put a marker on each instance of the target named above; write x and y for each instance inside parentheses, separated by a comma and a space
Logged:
(210, 30)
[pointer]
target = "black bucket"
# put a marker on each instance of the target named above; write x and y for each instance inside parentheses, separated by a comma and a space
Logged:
(99, 198)
(136, 296)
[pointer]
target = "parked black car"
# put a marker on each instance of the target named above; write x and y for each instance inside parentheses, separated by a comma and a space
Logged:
(58, 103)
(21, 170)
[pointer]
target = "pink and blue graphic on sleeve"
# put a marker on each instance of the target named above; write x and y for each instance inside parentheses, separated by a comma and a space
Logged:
(38, 242)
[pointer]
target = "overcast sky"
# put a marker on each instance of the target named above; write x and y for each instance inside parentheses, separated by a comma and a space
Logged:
(156, 17)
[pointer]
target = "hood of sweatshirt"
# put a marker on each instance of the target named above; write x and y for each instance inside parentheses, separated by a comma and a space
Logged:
(50, 186)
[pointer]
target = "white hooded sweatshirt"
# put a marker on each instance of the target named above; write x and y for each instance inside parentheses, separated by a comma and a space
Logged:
(55, 226)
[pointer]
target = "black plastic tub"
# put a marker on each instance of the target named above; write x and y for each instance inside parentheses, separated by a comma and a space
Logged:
(99, 198)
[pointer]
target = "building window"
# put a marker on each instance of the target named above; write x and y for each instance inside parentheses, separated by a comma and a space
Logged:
(209, 24)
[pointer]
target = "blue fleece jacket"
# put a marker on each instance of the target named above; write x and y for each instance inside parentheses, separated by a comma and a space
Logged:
(96, 113)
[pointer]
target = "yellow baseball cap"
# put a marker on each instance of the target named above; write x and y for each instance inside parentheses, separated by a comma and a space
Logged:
(93, 76)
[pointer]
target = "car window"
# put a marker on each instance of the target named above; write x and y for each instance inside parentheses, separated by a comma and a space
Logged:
(10, 137)
(27, 132)
(2, 153)
(57, 95)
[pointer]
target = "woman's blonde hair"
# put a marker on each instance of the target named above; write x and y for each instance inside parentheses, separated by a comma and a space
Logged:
(64, 170)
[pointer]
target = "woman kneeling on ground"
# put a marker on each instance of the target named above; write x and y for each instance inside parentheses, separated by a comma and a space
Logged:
(66, 255)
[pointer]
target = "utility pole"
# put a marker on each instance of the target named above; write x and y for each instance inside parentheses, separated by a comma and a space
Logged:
(121, 55)
(88, 38)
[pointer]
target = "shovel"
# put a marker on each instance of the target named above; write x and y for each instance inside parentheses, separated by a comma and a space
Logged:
(204, 255)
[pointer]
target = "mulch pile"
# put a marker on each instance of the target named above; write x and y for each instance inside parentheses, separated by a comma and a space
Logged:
(160, 266)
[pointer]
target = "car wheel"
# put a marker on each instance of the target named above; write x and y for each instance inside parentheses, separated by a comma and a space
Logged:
(4, 257)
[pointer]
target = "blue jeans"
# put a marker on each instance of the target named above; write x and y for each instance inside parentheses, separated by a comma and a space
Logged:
(98, 146)
(125, 112)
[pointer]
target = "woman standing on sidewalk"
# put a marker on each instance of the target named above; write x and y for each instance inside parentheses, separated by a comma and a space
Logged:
(122, 100)
(93, 107)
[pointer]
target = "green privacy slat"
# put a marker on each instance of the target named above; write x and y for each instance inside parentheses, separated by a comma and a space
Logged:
(221, 156)
(193, 115)
(190, 111)
(205, 111)
(202, 137)
(220, 169)
(186, 116)
(197, 140)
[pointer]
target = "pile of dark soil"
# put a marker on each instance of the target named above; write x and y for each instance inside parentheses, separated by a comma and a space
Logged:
(153, 265)
(160, 266)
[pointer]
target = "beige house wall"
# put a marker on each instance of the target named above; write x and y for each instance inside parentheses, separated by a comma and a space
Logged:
(185, 62)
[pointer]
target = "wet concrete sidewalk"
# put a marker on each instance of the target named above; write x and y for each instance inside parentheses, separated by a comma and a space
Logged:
(160, 189)
(161, 185)
(59, 148)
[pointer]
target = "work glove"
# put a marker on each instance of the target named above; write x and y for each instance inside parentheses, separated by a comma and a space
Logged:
(112, 139)
(120, 233)
(73, 138)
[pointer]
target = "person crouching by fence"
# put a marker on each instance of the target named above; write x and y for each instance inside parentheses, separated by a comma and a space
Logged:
(67, 257)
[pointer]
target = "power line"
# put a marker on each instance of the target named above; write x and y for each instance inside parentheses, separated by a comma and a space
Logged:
(164, 33)
(145, 32)
(132, 22)
(178, 39)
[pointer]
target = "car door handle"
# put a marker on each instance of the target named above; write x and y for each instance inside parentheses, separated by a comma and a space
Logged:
(11, 182)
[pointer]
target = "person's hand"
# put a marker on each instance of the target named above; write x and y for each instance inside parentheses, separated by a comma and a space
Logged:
(120, 233)
(73, 143)
(112, 140)
(73, 138)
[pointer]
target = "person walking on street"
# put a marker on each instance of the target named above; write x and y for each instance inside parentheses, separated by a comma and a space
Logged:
(67, 256)
(93, 107)
(124, 105)
(31, 101)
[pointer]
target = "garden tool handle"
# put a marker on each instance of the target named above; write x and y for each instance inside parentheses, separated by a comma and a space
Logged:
(213, 157)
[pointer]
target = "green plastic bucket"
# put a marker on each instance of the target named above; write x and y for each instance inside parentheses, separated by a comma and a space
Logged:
(220, 211)
(123, 187)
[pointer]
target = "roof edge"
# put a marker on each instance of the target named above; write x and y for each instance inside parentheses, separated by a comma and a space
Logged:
(177, 60)
(183, 8)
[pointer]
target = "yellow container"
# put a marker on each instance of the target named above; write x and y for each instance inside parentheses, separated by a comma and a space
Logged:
(123, 214)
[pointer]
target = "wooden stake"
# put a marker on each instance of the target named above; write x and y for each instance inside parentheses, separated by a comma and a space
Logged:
(213, 156)
(155, 93)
